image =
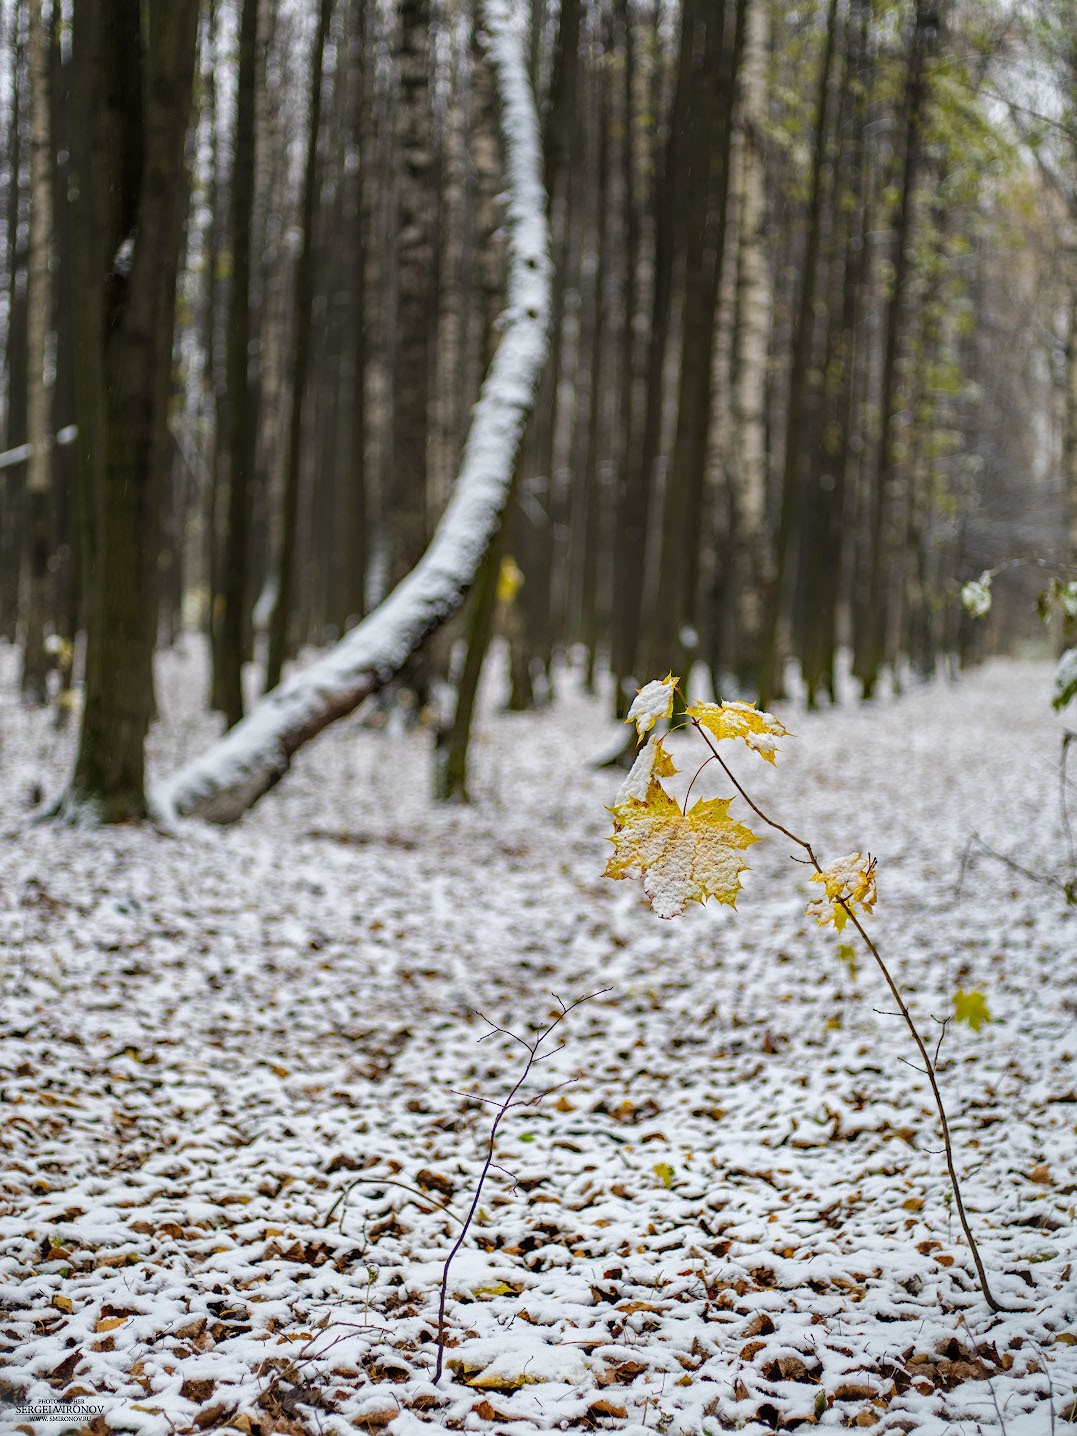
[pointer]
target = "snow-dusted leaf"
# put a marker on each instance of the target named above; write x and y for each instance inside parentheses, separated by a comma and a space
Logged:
(653, 701)
(976, 596)
(850, 884)
(971, 1007)
(758, 729)
(681, 858)
(651, 761)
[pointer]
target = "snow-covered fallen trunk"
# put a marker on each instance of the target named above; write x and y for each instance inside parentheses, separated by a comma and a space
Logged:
(231, 775)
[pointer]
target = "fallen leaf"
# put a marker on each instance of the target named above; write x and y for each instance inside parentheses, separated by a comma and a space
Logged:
(603, 1407)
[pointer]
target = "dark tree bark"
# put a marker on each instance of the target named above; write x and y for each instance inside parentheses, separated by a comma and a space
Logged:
(407, 484)
(235, 585)
(871, 650)
(822, 530)
(39, 496)
(304, 295)
(12, 488)
(799, 366)
(355, 404)
(537, 518)
(644, 440)
(673, 629)
(139, 84)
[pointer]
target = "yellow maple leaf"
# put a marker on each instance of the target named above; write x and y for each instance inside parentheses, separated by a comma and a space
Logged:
(758, 729)
(971, 1007)
(681, 857)
(653, 701)
(652, 761)
(849, 883)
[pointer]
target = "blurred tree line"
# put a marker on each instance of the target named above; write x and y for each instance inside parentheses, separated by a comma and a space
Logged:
(813, 355)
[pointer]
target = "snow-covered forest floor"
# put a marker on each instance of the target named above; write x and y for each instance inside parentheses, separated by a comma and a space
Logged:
(235, 1064)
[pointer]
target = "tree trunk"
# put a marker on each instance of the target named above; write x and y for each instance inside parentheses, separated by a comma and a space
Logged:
(672, 632)
(641, 456)
(869, 661)
(236, 771)
(39, 388)
(407, 497)
(747, 553)
(304, 294)
(770, 683)
(452, 742)
(228, 683)
(138, 139)
(11, 490)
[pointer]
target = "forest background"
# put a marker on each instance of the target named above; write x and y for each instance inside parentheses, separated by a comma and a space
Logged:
(812, 356)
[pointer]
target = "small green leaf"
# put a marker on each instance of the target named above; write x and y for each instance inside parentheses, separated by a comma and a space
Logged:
(664, 1172)
(971, 1007)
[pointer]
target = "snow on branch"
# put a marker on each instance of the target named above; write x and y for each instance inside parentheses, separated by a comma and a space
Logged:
(233, 773)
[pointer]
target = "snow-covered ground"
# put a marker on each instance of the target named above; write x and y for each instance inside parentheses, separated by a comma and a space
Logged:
(237, 1133)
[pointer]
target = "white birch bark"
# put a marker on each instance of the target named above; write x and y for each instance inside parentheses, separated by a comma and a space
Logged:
(236, 771)
(752, 286)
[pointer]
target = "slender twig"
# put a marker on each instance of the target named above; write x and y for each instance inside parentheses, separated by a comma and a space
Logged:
(389, 1182)
(510, 1101)
(977, 845)
(1063, 798)
(921, 1047)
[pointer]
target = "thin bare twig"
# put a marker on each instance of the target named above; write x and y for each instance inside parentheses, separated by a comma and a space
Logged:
(504, 1108)
(976, 846)
(389, 1182)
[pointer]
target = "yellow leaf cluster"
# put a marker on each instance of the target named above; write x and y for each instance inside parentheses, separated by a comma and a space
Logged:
(759, 730)
(681, 857)
(849, 884)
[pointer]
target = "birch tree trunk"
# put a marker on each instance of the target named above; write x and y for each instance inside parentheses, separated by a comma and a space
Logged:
(747, 453)
(237, 770)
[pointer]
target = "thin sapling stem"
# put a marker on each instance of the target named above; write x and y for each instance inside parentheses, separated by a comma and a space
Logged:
(906, 1015)
(511, 1100)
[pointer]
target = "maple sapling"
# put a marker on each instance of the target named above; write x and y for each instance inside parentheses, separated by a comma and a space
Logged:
(691, 853)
